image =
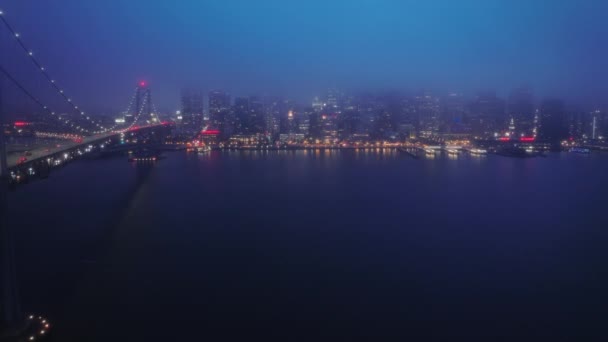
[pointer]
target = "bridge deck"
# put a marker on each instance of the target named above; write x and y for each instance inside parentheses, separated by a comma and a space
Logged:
(44, 152)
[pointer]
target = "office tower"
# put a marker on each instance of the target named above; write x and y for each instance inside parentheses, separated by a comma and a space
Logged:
(219, 109)
(520, 108)
(488, 114)
(553, 128)
(192, 109)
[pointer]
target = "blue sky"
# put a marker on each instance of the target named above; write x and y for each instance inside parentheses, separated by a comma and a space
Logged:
(100, 49)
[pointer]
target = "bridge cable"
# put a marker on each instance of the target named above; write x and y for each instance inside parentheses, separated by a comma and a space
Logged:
(52, 82)
(30, 95)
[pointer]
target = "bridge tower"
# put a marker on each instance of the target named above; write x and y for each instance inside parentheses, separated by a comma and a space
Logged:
(148, 110)
(138, 99)
(3, 160)
(143, 96)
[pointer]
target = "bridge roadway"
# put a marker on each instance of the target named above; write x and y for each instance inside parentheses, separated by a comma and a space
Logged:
(45, 152)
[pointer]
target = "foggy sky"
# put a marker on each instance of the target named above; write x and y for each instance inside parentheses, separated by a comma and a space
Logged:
(98, 50)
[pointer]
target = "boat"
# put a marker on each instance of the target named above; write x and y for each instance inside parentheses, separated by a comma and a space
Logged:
(453, 151)
(580, 150)
(516, 152)
(143, 156)
(478, 151)
(203, 149)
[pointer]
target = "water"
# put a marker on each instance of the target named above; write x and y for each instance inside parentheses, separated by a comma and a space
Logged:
(308, 246)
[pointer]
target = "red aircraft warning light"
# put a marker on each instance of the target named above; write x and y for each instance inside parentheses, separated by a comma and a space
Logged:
(142, 83)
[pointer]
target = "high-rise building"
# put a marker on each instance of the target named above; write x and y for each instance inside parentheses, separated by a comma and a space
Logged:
(553, 128)
(427, 112)
(487, 104)
(453, 114)
(333, 100)
(314, 130)
(273, 107)
(192, 109)
(329, 127)
(488, 114)
(317, 104)
(240, 111)
(598, 124)
(249, 116)
(256, 116)
(288, 117)
(367, 108)
(304, 121)
(520, 108)
(219, 109)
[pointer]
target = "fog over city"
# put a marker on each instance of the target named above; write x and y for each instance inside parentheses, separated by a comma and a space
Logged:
(303, 170)
(300, 49)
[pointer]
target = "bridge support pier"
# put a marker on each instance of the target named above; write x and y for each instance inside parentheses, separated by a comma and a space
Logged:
(3, 161)
(10, 311)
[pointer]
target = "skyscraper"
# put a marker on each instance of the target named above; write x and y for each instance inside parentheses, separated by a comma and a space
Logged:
(521, 109)
(192, 109)
(249, 114)
(333, 100)
(256, 117)
(553, 127)
(453, 114)
(428, 111)
(241, 115)
(488, 114)
(219, 109)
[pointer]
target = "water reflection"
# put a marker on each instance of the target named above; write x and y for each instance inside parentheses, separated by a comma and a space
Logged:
(211, 236)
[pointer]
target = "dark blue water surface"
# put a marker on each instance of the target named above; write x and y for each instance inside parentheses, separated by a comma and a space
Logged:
(309, 246)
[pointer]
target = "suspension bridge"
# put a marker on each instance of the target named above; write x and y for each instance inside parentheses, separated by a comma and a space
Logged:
(83, 132)
(59, 118)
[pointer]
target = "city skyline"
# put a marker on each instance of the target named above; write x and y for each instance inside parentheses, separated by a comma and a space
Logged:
(342, 170)
(29, 108)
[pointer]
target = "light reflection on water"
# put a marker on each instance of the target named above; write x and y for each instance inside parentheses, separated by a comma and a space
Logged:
(331, 238)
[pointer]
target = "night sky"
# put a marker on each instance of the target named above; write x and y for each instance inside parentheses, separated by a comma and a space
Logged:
(98, 50)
